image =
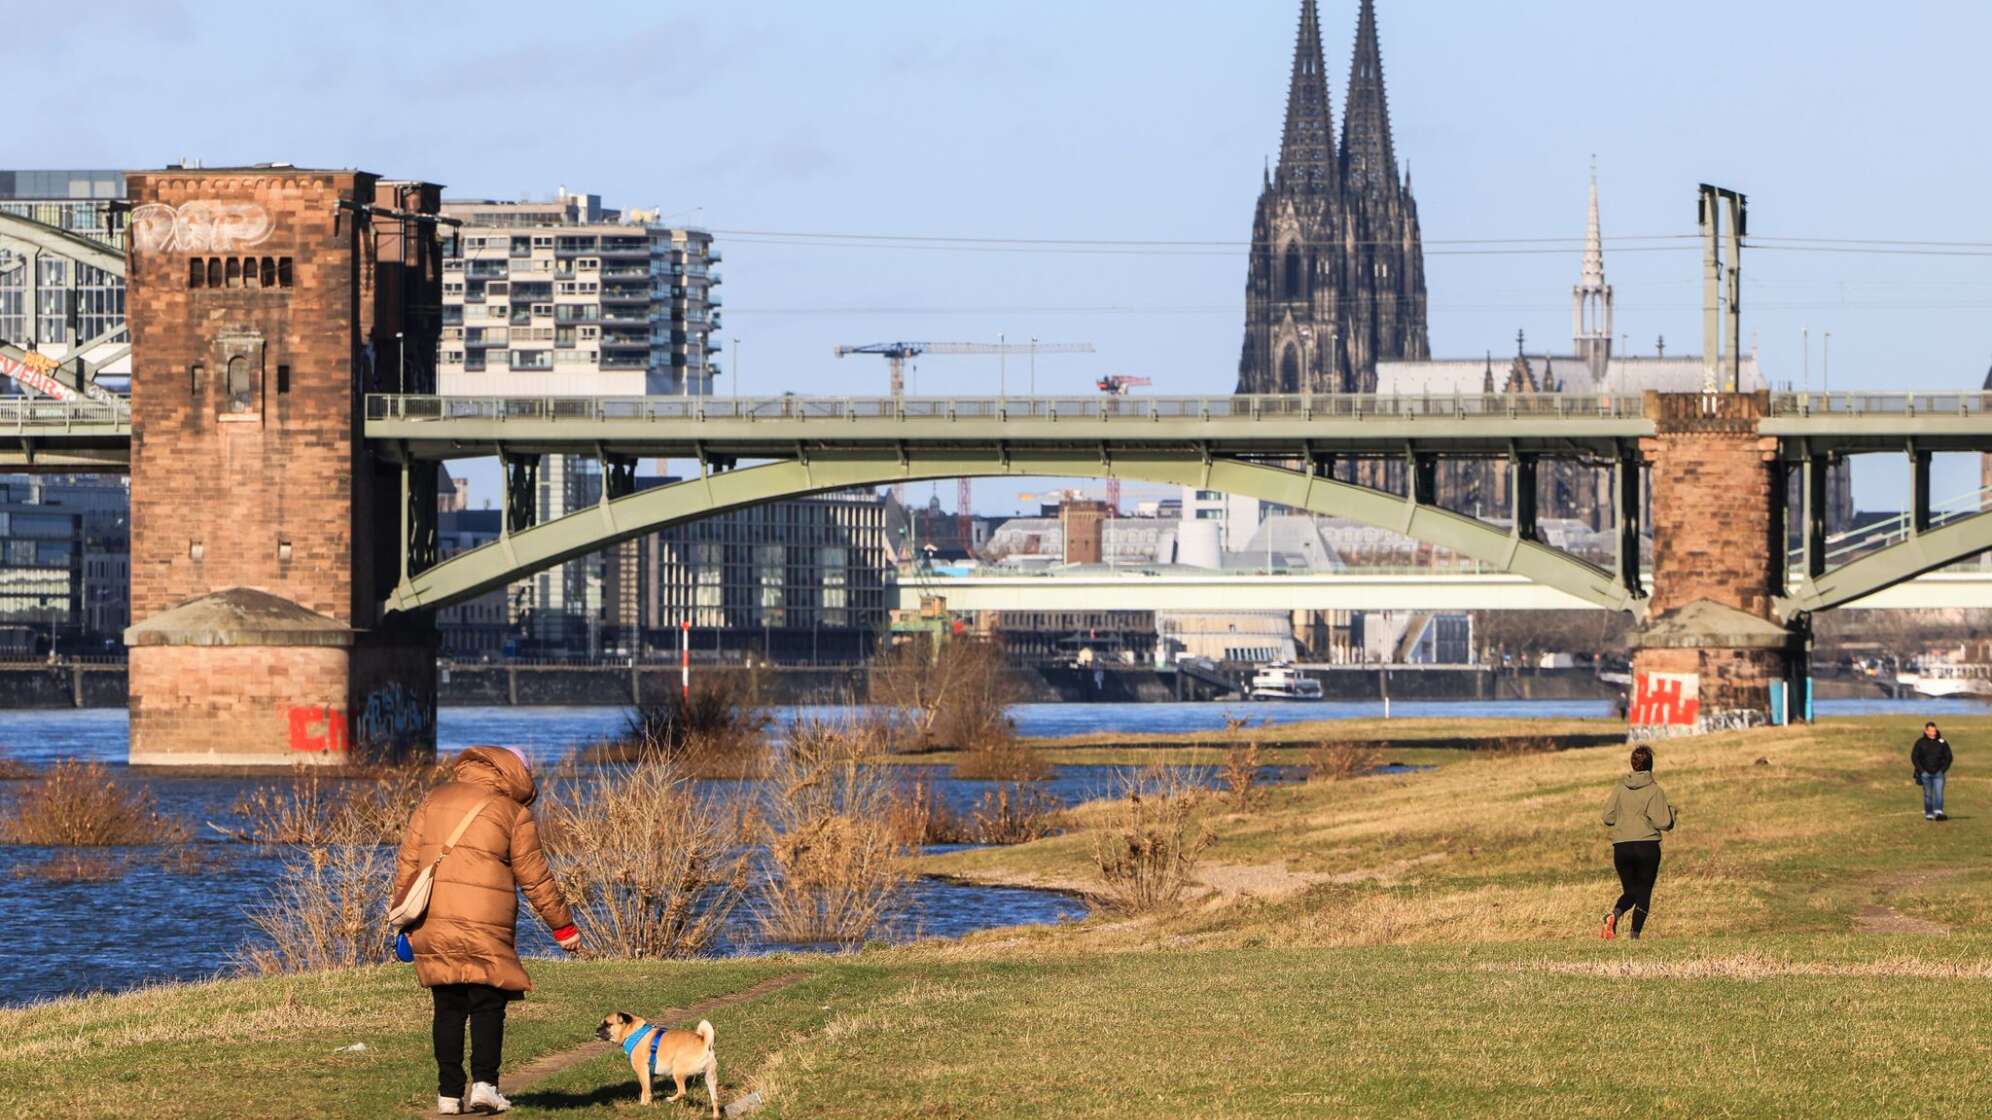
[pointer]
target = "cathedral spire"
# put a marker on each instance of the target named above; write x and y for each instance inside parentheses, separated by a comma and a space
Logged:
(1307, 148)
(1594, 242)
(1368, 158)
(1591, 299)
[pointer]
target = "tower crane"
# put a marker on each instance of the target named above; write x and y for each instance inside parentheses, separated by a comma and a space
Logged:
(896, 354)
(1116, 385)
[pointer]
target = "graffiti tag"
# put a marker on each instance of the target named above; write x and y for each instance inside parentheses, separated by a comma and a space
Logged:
(319, 729)
(201, 225)
(1665, 699)
(393, 717)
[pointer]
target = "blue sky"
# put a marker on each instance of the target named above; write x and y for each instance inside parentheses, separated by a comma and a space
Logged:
(1108, 120)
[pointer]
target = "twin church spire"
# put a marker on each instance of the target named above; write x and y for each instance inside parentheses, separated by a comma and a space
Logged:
(1337, 277)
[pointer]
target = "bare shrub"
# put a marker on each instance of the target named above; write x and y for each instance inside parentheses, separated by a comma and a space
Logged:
(720, 731)
(1339, 762)
(1150, 841)
(921, 816)
(834, 865)
(651, 870)
(77, 805)
(1240, 770)
(1014, 813)
(14, 771)
(325, 909)
(1003, 759)
(317, 807)
(74, 867)
(1515, 746)
(956, 694)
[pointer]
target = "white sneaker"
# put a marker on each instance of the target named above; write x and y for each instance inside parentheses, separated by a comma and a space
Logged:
(484, 1097)
(449, 1106)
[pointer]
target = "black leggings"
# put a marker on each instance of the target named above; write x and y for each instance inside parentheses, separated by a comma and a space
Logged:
(1638, 863)
(484, 1006)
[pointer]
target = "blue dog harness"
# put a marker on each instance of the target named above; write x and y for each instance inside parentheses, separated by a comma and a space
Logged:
(634, 1041)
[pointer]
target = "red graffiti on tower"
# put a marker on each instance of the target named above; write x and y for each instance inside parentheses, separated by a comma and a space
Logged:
(1665, 699)
(320, 729)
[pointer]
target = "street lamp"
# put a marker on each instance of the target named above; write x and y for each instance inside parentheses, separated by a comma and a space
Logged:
(1033, 365)
(401, 361)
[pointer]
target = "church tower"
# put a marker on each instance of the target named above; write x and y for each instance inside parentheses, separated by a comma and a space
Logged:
(1591, 299)
(1336, 279)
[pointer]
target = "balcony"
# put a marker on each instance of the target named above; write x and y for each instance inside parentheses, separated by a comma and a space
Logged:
(626, 273)
(713, 257)
(625, 295)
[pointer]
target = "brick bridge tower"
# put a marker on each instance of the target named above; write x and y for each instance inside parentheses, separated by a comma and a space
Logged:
(264, 304)
(1712, 647)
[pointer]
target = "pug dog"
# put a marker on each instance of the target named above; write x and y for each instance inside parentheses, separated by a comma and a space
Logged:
(680, 1054)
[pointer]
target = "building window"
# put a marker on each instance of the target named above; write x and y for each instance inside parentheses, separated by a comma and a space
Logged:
(196, 273)
(196, 373)
(283, 378)
(241, 390)
(1290, 369)
(285, 275)
(214, 272)
(1296, 280)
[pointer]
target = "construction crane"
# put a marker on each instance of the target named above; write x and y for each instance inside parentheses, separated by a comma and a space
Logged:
(1117, 385)
(895, 355)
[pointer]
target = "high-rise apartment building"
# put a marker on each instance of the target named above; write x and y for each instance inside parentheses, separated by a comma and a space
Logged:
(565, 297)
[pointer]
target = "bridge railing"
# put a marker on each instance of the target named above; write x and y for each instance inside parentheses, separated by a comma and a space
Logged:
(1081, 407)
(43, 414)
(1881, 404)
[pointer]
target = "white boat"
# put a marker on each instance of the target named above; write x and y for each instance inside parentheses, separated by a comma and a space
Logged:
(1948, 678)
(1281, 681)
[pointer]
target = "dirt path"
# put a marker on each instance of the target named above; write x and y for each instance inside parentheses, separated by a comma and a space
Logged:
(547, 1065)
(1880, 917)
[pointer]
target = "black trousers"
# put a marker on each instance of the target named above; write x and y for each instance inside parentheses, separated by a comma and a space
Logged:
(1638, 863)
(484, 1006)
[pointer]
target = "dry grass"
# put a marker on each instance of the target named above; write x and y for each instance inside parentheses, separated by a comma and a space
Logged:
(956, 696)
(1339, 762)
(720, 731)
(1013, 813)
(12, 770)
(651, 870)
(315, 808)
(921, 816)
(835, 862)
(78, 805)
(75, 867)
(1003, 759)
(1148, 843)
(1240, 770)
(326, 908)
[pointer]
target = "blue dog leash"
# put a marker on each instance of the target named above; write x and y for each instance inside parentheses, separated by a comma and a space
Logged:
(656, 1034)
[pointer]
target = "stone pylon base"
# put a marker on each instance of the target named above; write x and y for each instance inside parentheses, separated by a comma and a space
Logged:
(1706, 668)
(244, 678)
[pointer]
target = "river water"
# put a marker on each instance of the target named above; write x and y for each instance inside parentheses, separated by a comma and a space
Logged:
(160, 922)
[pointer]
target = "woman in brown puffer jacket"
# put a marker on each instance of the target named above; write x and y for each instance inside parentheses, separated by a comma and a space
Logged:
(463, 944)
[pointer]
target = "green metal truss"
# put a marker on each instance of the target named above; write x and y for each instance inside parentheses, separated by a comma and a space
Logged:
(526, 550)
(1922, 551)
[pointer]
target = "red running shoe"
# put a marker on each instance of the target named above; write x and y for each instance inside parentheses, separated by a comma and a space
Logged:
(1611, 927)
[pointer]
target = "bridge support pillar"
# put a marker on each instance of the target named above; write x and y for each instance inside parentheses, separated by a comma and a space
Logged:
(264, 304)
(1711, 649)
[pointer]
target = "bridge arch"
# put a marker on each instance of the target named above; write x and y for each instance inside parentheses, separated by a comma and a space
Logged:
(523, 552)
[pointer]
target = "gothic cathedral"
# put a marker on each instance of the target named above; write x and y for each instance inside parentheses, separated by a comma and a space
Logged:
(1337, 274)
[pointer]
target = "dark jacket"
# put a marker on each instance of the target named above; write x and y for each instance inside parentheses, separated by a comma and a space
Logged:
(1930, 756)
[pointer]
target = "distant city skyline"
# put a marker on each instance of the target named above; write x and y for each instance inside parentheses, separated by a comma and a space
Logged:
(1122, 122)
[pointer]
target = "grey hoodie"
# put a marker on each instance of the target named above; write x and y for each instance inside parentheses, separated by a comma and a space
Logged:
(1637, 809)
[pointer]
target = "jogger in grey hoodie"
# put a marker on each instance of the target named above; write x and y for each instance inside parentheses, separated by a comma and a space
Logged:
(1637, 813)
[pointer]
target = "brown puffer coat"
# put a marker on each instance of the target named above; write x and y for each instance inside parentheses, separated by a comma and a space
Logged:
(466, 936)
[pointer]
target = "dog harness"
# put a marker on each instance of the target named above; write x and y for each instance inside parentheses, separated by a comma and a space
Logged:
(634, 1041)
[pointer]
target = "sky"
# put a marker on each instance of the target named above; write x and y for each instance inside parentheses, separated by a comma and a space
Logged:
(776, 123)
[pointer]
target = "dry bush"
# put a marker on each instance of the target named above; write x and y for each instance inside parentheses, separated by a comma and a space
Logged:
(1339, 762)
(1515, 746)
(1149, 842)
(1014, 814)
(921, 816)
(77, 805)
(651, 870)
(955, 695)
(316, 807)
(834, 865)
(325, 910)
(1003, 759)
(14, 771)
(1240, 770)
(721, 731)
(75, 867)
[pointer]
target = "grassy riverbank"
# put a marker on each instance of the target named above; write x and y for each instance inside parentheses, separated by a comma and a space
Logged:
(1396, 945)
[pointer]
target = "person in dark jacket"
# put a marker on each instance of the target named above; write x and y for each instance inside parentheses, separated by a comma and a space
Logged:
(1637, 812)
(1931, 758)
